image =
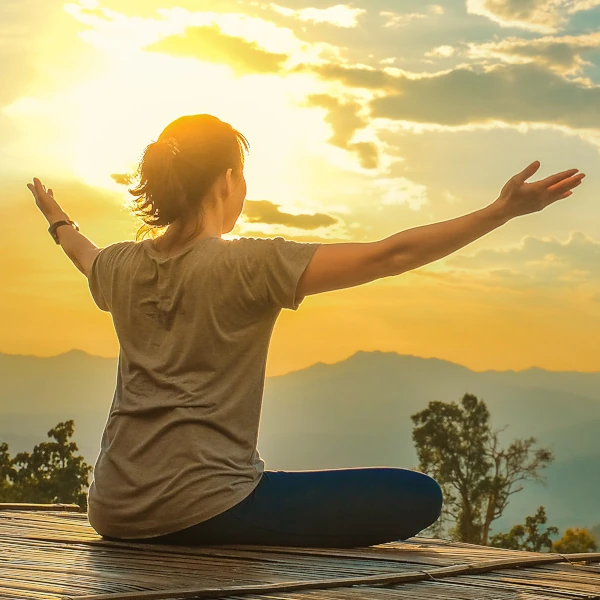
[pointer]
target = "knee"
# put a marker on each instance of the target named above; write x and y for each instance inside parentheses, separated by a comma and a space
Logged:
(430, 500)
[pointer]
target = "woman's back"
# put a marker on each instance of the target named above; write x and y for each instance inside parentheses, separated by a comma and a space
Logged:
(194, 330)
(194, 317)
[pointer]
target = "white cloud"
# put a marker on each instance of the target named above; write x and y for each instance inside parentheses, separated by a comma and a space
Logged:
(539, 261)
(542, 16)
(399, 190)
(402, 19)
(561, 54)
(339, 15)
(580, 5)
(441, 52)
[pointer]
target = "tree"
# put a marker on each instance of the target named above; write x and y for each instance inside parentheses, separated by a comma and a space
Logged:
(52, 473)
(456, 445)
(528, 536)
(575, 540)
(7, 473)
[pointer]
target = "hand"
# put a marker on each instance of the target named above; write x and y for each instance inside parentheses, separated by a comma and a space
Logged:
(45, 201)
(519, 198)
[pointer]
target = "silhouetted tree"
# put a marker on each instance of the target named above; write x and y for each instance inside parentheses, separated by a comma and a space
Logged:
(7, 473)
(575, 540)
(528, 536)
(52, 473)
(456, 445)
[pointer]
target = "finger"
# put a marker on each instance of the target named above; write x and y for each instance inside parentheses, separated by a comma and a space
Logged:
(566, 184)
(557, 177)
(565, 195)
(50, 192)
(526, 173)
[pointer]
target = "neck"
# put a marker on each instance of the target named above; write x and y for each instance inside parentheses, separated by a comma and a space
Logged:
(179, 233)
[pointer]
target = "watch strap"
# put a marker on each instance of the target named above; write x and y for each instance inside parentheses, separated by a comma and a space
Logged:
(52, 229)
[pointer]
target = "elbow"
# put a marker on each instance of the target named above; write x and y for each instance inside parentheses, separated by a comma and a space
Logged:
(398, 263)
(392, 258)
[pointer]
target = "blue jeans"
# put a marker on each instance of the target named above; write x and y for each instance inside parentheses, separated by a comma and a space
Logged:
(340, 508)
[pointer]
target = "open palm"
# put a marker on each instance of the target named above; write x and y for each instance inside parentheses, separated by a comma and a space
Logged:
(521, 198)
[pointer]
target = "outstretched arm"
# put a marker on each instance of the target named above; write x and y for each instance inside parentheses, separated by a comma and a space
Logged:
(337, 266)
(76, 246)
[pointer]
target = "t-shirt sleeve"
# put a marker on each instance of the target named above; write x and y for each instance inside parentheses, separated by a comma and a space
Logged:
(273, 267)
(101, 275)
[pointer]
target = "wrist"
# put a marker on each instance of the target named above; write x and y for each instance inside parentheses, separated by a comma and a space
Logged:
(498, 212)
(59, 215)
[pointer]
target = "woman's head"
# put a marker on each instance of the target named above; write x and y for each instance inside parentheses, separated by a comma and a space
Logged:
(196, 159)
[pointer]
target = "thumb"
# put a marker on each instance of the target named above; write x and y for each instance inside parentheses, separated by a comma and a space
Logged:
(526, 173)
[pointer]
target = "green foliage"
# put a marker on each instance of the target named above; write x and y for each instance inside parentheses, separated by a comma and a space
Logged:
(575, 540)
(528, 536)
(51, 473)
(456, 445)
(595, 531)
(7, 473)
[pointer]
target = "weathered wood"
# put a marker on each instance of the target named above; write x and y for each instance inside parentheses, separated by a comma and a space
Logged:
(431, 575)
(42, 507)
(56, 555)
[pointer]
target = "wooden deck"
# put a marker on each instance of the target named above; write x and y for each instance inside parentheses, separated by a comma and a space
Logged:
(56, 554)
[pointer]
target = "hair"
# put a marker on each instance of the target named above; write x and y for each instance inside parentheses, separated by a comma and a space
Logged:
(177, 170)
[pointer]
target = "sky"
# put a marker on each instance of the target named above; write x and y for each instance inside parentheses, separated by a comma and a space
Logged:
(364, 118)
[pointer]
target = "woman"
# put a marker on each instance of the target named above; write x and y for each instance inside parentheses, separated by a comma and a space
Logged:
(194, 313)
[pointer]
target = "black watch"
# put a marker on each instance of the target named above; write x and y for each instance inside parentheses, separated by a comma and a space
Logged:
(52, 229)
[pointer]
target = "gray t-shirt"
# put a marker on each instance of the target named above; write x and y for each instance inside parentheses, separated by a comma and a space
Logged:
(179, 446)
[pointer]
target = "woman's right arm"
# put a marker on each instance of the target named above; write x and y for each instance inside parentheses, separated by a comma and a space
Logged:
(338, 266)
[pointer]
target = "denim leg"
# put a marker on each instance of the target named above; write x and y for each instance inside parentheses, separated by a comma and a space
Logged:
(341, 507)
(329, 508)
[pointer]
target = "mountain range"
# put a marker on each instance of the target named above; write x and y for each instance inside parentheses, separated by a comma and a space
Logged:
(354, 413)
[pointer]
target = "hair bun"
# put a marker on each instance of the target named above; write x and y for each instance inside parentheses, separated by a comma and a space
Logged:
(178, 169)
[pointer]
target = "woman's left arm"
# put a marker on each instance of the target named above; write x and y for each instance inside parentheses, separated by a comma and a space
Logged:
(76, 246)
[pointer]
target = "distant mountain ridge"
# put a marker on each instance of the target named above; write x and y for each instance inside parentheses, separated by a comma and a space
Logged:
(348, 414)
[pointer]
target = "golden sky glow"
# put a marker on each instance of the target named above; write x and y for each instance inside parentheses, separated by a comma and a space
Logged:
(363, 120)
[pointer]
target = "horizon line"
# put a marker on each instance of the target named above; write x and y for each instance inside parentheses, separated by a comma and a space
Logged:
(317, 363)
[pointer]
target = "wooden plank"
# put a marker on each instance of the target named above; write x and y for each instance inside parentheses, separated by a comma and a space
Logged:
(431, 575)
(44, 551)
(40, 507)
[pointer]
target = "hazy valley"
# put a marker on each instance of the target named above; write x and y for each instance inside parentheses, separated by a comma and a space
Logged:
(350, 414)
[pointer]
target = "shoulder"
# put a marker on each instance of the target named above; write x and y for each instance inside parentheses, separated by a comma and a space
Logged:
(268, 246)
(115, 251)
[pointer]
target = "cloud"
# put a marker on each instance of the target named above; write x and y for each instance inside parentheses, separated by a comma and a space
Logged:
(543, 16)
(345, 120)
(441, 52)
(538, 261)
(512, 94)
(395, 20)
(339, 15)
(399, 190)
(561, 54)
(209, 43)
(263, 211)
(362, 77)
